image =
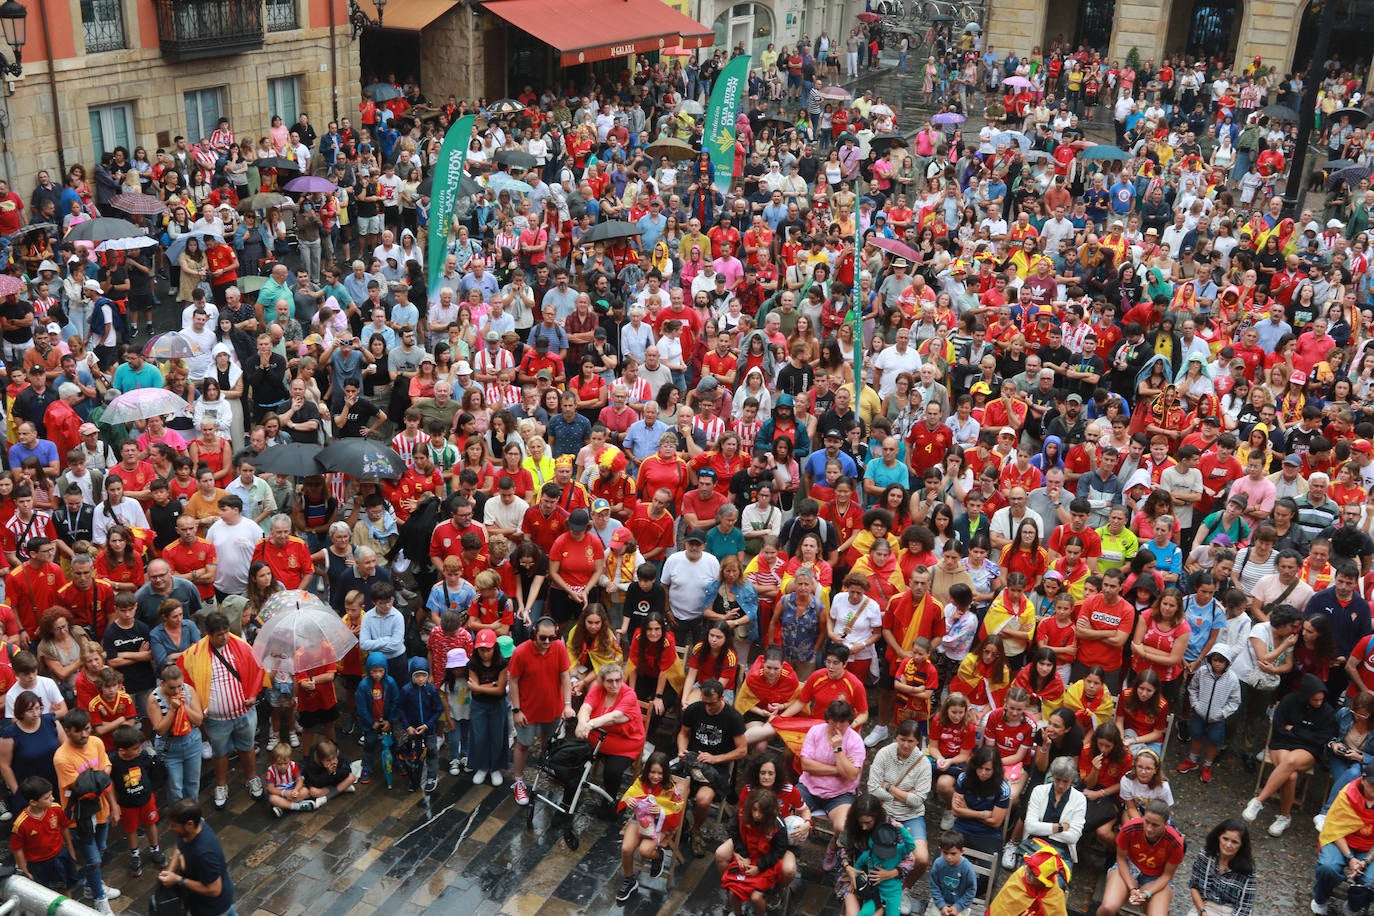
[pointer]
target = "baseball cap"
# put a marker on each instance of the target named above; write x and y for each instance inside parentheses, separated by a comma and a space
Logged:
(1363, 446)
(85, 429)
(831, 434)
(486, 639)
(1240, 499)
(54, 328)
(620, 537)
(694, 535)
(93, 286)
(579, 520)
(545, 374)
(601, 505)
(493, 337)
(1294, 460)
(1298, 377)
(1074, 398)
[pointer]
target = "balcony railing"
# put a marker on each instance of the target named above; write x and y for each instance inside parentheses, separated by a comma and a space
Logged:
(191, 29)
(281, 15)
(102, 25)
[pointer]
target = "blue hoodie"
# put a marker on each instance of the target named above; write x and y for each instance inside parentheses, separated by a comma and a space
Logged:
(371, 692)
(419, 705)
(768, 433)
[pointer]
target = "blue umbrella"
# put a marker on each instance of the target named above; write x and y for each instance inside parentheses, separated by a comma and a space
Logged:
(178, 245)
(501, 183)
(1104, 151)
(382, 92)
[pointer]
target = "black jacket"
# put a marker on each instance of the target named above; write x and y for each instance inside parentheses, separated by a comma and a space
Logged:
(1300, 726)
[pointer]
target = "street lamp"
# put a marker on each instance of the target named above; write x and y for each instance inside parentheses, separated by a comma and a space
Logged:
(13, 22)
(356, 15)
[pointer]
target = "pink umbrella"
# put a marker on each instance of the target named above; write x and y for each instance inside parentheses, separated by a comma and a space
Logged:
(678, 51)
(1019, 82)
(900, 249)
(10, 285)
(869, 17)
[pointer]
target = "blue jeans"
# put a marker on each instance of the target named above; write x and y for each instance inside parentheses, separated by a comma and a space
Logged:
(89, 849)
(460, 739)
(182, 756)
(489, 749)
(1343, 773)
(1331, 872)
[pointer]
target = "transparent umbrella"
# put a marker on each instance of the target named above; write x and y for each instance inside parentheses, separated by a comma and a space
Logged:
(140, 404)
(300, 633)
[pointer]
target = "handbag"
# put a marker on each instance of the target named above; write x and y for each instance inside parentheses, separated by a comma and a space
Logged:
(167, 901)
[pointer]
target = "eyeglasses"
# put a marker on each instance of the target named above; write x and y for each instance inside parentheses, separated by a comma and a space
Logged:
(543, 638)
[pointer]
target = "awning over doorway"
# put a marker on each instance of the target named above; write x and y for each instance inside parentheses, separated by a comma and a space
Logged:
(408, 15)
(591, 30)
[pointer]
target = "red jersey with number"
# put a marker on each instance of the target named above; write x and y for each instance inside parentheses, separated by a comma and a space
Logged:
(952, 740)
(1151, 858)
(1006, 737)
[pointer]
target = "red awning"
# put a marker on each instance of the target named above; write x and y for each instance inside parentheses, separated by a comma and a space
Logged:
(591, 30)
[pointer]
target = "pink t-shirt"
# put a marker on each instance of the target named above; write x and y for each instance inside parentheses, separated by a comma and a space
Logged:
(816, 747)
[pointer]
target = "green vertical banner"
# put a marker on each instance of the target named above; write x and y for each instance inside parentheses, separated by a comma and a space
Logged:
(719, 131)
(448, 177)
(858, 313)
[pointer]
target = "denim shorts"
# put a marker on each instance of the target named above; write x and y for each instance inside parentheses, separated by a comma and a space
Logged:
(280, 694)
(825, 805)
(1213, 733)
(231, 734)
(917, 828)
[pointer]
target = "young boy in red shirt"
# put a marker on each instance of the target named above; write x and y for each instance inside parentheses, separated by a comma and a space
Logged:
(41, 838)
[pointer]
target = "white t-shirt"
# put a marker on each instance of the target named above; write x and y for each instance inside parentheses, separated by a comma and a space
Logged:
(856, 623)
(686, 583)
(234, 546)
(893, 364)
(202, 349)
(126, 512)
(46, 691)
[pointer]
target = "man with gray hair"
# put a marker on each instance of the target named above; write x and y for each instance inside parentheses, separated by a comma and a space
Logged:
(161, 586)
(1317, 511)
(61, 420)
(366, 572)
(287, 556)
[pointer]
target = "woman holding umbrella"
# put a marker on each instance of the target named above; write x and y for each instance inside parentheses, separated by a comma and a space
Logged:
(194, 271)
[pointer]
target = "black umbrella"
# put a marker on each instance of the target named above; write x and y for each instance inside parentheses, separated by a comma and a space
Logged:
(32, 228)
(1335, 165)
(296, 459)
(362, 459)
(516, 159)
(778, 123)
(884, 142)
(1350, 176)
(277, 162)
(1281, 112)
(1358, 116)
(611, 229)
(102, 229)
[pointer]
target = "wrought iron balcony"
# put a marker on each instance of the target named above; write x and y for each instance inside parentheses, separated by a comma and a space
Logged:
(192, 29)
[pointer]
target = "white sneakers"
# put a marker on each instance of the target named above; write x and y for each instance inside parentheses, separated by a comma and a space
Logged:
(496, 778)
(1280, 825)
(455, 767)
(1319, 821)
(1252, 810)
(1318, 909)
(907, 903)
(255, 787)
(479, 777)
(876, 737)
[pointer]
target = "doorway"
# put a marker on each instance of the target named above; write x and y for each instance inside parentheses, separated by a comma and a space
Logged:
(747, 24)
(1094, 27)
(1349, 47)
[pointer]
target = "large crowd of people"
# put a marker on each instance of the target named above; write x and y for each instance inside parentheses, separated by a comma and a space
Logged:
(1086, 465)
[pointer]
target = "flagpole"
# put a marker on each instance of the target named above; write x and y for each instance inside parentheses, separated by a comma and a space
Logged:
(858, 312)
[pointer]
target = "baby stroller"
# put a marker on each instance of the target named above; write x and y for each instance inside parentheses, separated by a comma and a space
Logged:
(568, 760)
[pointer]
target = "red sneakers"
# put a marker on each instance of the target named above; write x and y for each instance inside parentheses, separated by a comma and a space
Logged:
(1188, 765)
(1206, 772)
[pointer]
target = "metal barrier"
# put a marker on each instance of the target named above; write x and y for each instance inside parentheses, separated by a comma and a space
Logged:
(21, 895)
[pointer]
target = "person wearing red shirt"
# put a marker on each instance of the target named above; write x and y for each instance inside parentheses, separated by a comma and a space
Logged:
(136, 474)
(90, 600)
(287, 556)
(653, 526)
(1219, 468)
(32, 588)
(699, 506)
(911, 614)
(720, 234)
(1285, 282)
(1006, 410)
(1010, 730)
(663, 470)
(929, 440)
(1104, 625)
(193, 557)
(539, 692)
(223, 265)
(1249, 352)
(833, 682)
(423, 478)
(576, 562)
(1148, 852)
(1077, 527)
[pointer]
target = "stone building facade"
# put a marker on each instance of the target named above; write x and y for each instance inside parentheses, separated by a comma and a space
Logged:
(100, 73)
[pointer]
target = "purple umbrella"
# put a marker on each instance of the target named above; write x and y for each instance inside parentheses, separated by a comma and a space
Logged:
(310, 184)
(948, 117)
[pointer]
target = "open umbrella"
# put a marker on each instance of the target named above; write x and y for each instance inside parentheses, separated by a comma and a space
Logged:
(836, 93)
(948, 117)
(102, 228)
(1008, 137)
(516, 159)
(1018, 82)
(611, 229)
(1281, 112)
(868, 17)
(677, 51)
(884, 142)
(133, 243)
(673, 148)
(1104, 151)
(466, 188)
(277, 162)
(1335, 165)
(881, 108)
(299, 633)
(1350, 176)
(250, 284)
(296, 459)
(310, 184)
(1358, 116)
(362, 459)
(900, 249)
(261, 201)
(135, 202)
(692, 107)
(142, 403)
(505, 107)
(777, 123)
(382, 92)
(31, 228)
(499, 183)
(170, 345)
(11, 285)
(972, 27)
(941, 19)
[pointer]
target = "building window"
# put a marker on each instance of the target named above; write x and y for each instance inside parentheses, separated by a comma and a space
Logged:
(102, 25)
(284, 98)
(203, 110)
(281, 15)
(112, 126)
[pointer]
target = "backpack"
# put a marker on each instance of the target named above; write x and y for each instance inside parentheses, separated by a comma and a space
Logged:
(83, 805)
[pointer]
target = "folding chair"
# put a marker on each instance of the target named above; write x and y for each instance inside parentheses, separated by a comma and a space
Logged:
(1305, 777)
(988, 868)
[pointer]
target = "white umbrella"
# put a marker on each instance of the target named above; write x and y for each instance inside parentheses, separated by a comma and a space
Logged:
(880, 109)
(127, 244)
(140, 404)
(692, 107)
